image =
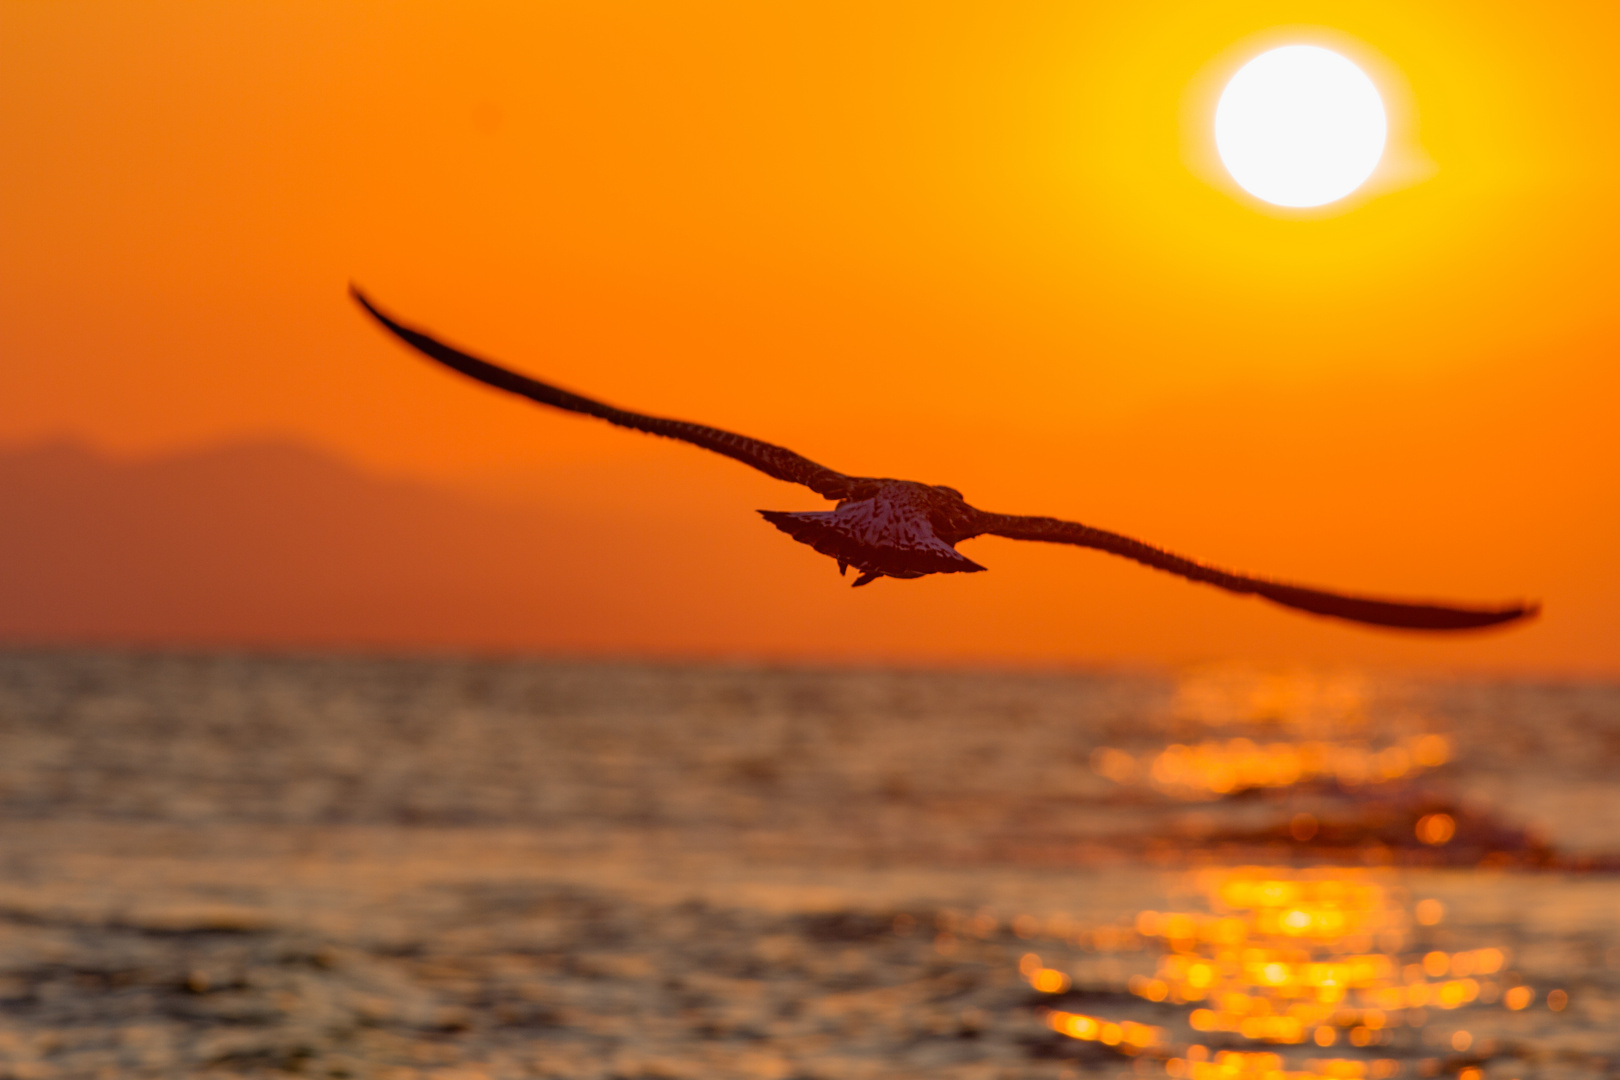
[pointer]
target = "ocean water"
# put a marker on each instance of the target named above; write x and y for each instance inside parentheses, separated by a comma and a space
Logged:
(218, 865)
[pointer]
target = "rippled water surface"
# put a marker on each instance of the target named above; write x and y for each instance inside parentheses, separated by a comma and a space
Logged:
(232, 866)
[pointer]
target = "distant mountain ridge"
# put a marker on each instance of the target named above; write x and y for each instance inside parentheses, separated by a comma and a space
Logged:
(259, 543)
(279, 545)
(276, 544)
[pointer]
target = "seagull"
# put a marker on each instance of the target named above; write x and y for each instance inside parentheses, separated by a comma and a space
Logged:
(905, 529)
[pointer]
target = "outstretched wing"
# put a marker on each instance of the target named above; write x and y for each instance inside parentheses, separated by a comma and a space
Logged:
(1355, 608)
(775, 461)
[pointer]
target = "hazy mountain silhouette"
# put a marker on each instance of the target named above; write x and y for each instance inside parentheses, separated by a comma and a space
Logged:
(281, 545)
(270, 543)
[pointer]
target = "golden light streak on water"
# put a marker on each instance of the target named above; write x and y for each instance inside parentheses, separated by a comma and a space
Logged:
(1222, 766)
(1316, 957)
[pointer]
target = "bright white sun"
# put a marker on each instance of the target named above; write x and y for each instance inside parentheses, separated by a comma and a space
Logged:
(1300, 126)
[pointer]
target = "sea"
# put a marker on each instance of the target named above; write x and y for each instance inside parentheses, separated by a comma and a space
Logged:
(239, 865)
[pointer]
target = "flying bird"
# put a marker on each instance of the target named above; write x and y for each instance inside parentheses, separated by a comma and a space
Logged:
(905, 529)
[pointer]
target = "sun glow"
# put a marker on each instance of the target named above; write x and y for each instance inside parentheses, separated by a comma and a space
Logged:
(1300, 126)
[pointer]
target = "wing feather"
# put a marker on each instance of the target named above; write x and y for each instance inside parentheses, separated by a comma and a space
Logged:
(772, 460)
(1378, 612)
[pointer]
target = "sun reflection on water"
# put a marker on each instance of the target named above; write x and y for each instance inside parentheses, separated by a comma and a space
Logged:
(1312, 702)
(1306, 726)
(1316, 958)
(1286, 959)
(1305, 971)
(1216, 767)
(1325, 772)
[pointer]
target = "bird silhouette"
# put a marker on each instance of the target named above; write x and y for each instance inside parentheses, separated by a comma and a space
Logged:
(905, 529)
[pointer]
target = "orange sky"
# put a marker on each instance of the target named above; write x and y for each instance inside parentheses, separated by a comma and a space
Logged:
(978, 244)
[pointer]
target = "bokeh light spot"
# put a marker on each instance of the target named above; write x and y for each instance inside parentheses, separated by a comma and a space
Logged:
(1436, 829)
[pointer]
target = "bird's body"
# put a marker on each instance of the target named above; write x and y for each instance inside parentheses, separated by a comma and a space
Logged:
(905, 529)
(902, 529)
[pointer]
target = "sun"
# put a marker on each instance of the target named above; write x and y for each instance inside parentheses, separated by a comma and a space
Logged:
(1300, 126)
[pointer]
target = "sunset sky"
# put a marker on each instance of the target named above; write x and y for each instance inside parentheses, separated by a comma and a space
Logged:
(979, 244)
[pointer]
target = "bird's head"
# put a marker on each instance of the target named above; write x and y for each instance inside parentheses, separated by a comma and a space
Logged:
(949, 491)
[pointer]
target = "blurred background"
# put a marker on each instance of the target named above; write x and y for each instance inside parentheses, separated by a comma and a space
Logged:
(982, 248)
(357, 721)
